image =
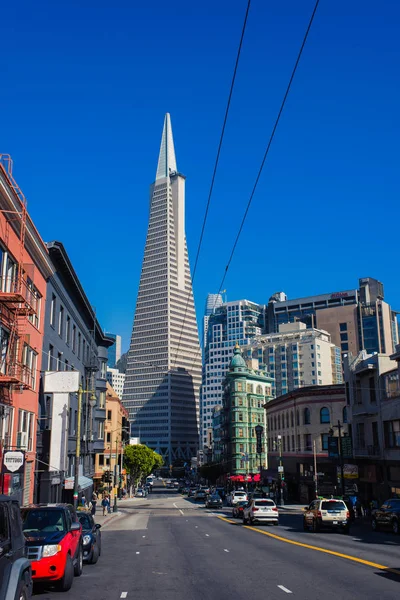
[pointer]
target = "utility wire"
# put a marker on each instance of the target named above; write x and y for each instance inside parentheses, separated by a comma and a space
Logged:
(260, 170)
(214, 173)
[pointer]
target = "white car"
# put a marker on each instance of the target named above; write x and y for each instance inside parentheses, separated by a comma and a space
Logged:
(261, 510)
(237, 496)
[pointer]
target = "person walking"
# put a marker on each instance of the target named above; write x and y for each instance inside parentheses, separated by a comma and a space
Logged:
(104, 505)
(94, 502)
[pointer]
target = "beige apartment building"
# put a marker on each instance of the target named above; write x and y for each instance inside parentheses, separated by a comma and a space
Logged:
(296, 357)
(299, 425)
(115, 436)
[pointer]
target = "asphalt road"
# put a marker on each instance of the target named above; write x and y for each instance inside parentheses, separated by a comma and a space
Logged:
(165, 547)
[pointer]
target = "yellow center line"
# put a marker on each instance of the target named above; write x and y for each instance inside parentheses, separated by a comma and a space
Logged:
(317, 548)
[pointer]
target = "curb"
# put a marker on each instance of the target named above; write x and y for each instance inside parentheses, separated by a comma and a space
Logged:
(111, 517)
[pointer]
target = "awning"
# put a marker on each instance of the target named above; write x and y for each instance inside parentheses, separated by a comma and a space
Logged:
(243, 478)
(83, 482)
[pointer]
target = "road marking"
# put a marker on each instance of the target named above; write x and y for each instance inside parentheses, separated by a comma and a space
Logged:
(181, 511)
(137, 552)
(196, 527)
(143, 536)
(207, 535)
(175, 505)
(225, 550)
(123, 594)
(318, 549)
(284, 589)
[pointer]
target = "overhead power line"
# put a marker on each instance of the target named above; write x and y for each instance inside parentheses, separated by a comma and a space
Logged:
(214, 172)
(271, 137)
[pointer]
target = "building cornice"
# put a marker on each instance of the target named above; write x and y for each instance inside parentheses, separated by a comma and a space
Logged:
(34, 244)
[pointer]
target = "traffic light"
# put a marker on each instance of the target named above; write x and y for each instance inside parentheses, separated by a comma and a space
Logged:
(107, 477)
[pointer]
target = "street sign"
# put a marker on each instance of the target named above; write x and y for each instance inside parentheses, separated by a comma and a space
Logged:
(55, 480)
(333, 447)
(13, 461)
(347, 447)
(280, 469)
(69, 484)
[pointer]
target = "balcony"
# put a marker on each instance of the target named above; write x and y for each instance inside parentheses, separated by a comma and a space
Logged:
(367, 450)
(17, 374)
(19, 296)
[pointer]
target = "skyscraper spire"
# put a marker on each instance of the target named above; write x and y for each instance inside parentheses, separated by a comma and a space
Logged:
(166, 158)
(163, 375)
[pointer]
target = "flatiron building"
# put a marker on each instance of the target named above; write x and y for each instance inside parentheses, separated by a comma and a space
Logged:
(163, 375)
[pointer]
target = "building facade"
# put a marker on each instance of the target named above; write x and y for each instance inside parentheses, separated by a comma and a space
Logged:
(163, 374)
(213, 302)
(237, 321)
(357, 319)
(246, 390)
(374, 397)
(296, 357)
(114, 351)
(24, 268)
(116, 435)
(299, 425)
(73, 342)
(117, 380)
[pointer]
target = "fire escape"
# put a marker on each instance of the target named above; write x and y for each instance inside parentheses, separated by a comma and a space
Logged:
(18, 300)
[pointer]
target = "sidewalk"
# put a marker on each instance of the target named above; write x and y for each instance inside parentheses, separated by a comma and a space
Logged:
(98, 517)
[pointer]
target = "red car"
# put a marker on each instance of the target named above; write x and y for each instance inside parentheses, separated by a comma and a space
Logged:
(53, 537)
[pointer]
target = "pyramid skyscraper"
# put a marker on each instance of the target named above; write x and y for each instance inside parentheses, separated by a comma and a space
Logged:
(163, 375)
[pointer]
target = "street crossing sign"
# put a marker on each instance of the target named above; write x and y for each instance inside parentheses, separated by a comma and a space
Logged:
(280, 469)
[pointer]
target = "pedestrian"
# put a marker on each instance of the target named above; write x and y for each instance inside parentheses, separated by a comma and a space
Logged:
(108, 504)
(83, 500)
(104, 505)
(94, 502)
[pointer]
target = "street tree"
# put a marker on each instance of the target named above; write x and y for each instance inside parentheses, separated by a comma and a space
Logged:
(139, 461)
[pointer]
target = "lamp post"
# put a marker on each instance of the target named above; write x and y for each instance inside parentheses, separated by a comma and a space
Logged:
(259, 431)
(339, 427)
(92, 402)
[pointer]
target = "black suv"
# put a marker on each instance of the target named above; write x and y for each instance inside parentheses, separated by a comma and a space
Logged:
(15, 569)
(387, 516)
(91, 537)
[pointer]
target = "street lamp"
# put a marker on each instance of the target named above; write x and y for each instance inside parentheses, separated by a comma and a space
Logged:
(259, 429)
(339, 427)
(92, 402)
(280, 470)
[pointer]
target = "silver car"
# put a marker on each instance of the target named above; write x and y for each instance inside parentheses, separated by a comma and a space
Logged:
(261, 510)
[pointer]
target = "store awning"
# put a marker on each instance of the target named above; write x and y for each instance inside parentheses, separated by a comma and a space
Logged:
(83, 482)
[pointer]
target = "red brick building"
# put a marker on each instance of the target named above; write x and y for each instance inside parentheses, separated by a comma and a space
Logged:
(24, 268)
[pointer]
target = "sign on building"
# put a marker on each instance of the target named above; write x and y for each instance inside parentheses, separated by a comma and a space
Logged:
(347, 447)
(333, 447)
(13, 461)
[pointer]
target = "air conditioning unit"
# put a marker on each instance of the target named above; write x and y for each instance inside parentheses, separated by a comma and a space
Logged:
(22, 440)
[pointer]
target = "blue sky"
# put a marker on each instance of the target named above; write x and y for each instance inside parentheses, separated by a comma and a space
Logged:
(85, 86)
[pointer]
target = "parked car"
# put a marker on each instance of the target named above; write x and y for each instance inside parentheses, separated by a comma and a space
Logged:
(192, 492)
(261, 510)
(387, 516)
(91, 537)
(326, 513)
(140, 493)
(54, 543)
(15, 568)
(237, 512)
(214, 501)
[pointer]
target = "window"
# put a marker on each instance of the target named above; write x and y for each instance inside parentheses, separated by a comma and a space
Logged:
(109, 438)
(73, 340)
(360, 435)
(4, 341)
(109, 415)
(100, 431)
(50, 358)
(79, 344)
(25, 433)
(103, 369)
(60, 321)
(293, 446)
(284, 444)
(297, 417)
(344, 337)
(392, 433)
(249, 388)
(279, 422)
(345, 414)
(287, 420)
(344, 346)
(307, 416)
(275, 423)
(29, 360)
(101, 460)
(324, 415)
(291, 419)
(307, 442)
(240, 432)
(68, 330)
(102, 400)
(372, 390)
(240, 416)
(288, 443)
(343, 326)
(324, 441)
(298, 443)
(239, 386)
(59, 362)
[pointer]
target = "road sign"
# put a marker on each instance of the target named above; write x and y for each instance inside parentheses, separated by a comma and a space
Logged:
(69, 484)
(280, 469)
